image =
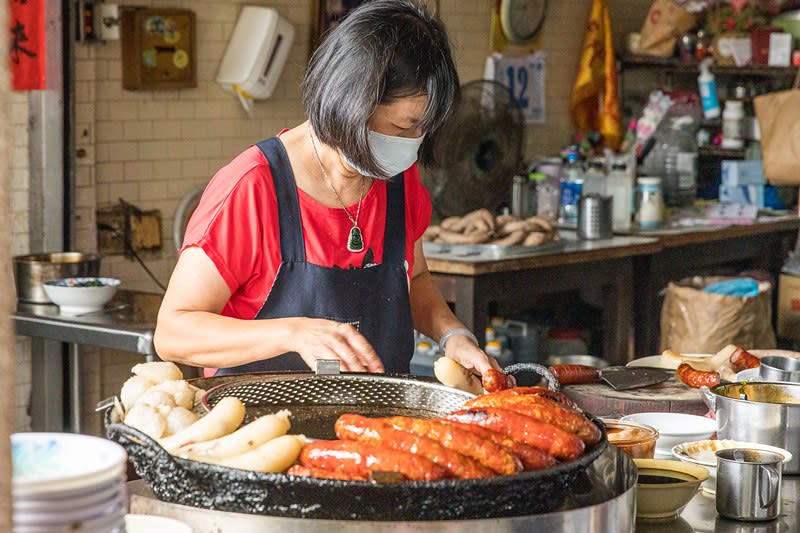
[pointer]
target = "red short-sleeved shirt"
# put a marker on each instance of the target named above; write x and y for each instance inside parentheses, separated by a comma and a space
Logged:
(236, 225)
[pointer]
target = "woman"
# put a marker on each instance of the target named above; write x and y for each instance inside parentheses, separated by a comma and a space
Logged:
(317, 232)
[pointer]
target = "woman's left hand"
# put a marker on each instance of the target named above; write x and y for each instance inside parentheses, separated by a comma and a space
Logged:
(462, 350)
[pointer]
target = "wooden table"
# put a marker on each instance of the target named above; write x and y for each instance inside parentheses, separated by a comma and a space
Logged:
(607, 263)
(764, 244)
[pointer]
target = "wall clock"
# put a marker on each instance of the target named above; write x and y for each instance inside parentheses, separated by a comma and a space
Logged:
(521, 20)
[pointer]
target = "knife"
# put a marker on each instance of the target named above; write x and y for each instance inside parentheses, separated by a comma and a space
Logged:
(619, 377)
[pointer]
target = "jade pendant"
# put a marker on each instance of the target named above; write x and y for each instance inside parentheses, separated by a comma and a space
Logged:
(355, 241)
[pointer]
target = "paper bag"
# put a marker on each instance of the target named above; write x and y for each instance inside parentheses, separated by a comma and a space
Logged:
(693, 321)
(665, 22)
(778, 115)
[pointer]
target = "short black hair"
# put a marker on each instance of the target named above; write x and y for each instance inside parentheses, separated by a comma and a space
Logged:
(382, 51)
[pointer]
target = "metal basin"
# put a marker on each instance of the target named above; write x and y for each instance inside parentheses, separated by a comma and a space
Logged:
(762, 412)
(31, 271)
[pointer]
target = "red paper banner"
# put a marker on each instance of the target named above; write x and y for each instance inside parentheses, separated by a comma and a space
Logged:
(27, 44)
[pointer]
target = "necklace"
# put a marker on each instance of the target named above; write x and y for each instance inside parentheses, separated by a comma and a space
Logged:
(355, 240)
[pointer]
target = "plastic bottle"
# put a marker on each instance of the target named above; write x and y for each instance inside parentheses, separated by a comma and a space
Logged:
(594, 180)
(680, 163)
(732, 119)
(546, 191)
(620, 187)
(495, 349)
(708, 90)
(571, 189)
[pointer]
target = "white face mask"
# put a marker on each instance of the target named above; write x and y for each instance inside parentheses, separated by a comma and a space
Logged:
(393, 154)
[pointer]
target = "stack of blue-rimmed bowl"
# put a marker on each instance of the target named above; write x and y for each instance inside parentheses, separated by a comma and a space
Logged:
(69, 483)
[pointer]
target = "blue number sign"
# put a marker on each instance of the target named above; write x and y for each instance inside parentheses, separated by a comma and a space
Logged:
(524, 76)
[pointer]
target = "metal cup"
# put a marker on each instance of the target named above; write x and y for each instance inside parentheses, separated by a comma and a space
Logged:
(595, 216)
(779, 368)
(748, 484)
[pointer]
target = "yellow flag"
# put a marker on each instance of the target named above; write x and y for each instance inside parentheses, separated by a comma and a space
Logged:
(595, 101)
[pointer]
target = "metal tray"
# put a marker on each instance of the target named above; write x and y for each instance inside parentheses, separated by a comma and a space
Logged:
(476, 253)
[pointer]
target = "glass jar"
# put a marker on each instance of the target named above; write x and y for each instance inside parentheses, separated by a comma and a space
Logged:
(637, 440)
(649, 202)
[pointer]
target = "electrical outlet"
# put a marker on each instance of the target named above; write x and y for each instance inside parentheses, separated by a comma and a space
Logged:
(121, 223)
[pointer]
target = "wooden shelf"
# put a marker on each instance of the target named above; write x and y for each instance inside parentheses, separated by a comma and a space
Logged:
(674, 65)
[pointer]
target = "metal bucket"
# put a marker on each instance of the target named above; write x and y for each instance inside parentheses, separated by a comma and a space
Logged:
(31, 271)
(766, 413)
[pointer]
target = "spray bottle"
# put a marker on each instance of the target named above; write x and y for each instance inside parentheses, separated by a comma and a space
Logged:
(708, 90)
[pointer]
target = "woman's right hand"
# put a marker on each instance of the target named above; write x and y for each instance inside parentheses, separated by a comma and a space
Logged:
(327, 339)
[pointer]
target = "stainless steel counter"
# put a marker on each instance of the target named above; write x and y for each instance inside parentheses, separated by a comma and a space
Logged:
(701, 516)
(126, 323)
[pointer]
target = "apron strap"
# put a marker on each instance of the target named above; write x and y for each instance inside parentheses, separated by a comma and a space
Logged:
(291, 225)
(394, 236)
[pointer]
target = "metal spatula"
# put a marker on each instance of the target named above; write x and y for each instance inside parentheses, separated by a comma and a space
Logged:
(619, 377)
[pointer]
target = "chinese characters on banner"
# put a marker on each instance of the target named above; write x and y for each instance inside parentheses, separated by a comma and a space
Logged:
(27, 44)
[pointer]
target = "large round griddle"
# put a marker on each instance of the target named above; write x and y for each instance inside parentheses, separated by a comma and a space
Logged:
(186, 482)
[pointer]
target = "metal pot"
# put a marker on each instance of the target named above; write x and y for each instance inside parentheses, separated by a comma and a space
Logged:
(766, 413)
(31, 271)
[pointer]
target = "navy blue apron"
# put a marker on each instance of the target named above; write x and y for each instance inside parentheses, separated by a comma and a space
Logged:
(374, 298)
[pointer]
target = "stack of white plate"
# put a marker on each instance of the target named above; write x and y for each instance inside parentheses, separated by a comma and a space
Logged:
(67, 482)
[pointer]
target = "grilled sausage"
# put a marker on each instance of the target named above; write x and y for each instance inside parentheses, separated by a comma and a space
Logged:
(530, 457)
(375, 431)
(547, 437)
(696, 378)
(543, 410)
(742, 360)
(575, 374)
(309, 471)
(543, 392)
(494, 380)
(460, 440)
(359, 459)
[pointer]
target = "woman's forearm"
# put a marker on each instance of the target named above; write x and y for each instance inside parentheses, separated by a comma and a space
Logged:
(206, 339)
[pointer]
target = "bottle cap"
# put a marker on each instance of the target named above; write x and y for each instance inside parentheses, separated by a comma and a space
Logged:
(537, 176)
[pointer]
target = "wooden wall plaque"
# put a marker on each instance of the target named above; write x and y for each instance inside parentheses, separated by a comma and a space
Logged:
(158, 49)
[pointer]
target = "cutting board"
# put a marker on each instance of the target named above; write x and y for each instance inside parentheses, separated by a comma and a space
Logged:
(672, 396)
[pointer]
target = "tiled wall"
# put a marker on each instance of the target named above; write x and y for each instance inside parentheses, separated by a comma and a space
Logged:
(18, 172)
(152, 147)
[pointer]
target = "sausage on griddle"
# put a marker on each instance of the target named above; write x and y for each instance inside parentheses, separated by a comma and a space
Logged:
(547, 437)
(531, 458)
(374, 431)
(543, 410)
(460, 440)
(360, 459)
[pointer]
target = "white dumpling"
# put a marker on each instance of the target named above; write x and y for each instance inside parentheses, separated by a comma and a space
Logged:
(178, 419)
(133, 388)
(181, 391)
(158, 371)
(146, 419)
(156, 398)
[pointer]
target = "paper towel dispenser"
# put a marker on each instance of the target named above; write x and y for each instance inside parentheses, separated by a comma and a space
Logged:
(255, 55)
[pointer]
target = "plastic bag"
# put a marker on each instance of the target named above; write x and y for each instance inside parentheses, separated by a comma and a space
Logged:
(695, 321)
(665, 22)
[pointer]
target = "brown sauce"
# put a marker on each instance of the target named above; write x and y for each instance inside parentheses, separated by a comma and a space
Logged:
(652, 479)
